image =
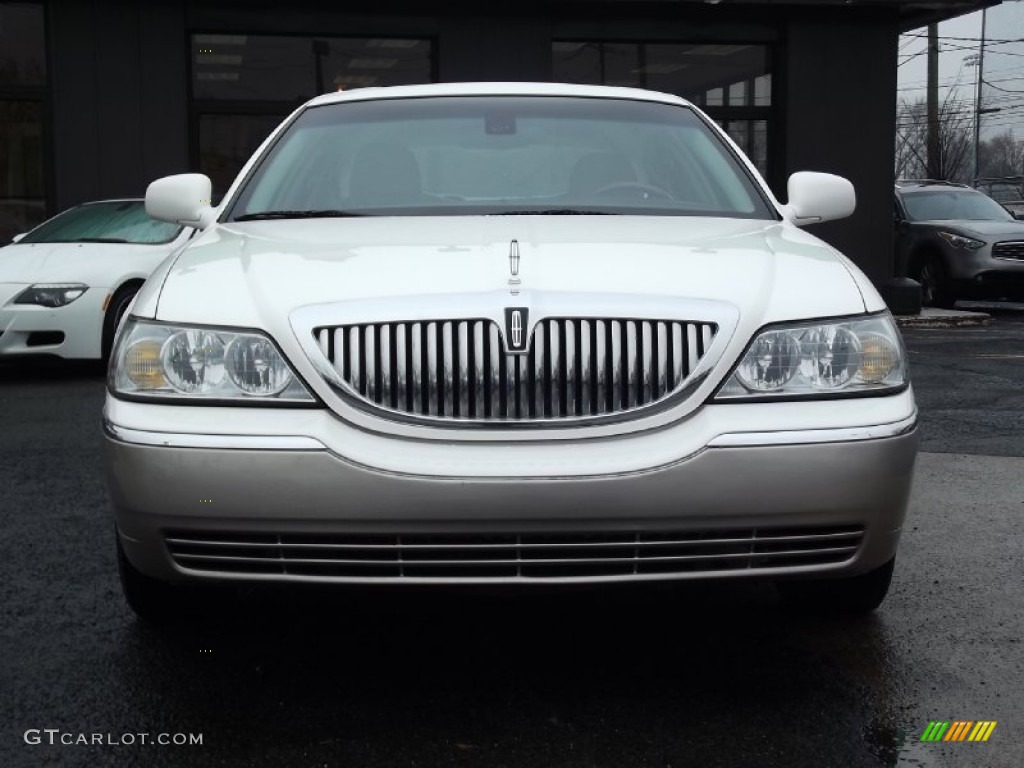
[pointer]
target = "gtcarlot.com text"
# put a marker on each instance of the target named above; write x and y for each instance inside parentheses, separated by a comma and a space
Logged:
(56, 737)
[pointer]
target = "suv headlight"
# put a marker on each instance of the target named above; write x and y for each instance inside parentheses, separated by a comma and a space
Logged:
(51, 294)
(824, 358)
(193, 363)
(962, 242)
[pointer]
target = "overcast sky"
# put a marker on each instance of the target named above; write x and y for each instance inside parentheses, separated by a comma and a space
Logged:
(959, 40)
(913, 71)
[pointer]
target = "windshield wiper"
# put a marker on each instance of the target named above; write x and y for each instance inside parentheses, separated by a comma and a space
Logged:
(99, 240)
(310, 214)
(555, 212)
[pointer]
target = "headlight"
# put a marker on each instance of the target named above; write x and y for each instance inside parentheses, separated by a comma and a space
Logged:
(831, 357)
(167, 361)
(51, 294)
(959, 241)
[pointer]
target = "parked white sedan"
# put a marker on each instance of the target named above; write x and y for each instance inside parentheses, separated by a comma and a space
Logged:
(507, 334)
(65, 284)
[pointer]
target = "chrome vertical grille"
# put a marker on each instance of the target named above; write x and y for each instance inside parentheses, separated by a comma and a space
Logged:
(1012, 250)
(458, 369)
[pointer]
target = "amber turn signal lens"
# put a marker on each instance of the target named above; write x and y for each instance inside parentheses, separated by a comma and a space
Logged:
(878, 357)
(142, 365)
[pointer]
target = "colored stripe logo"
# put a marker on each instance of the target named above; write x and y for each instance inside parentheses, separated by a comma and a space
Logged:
(958, 730)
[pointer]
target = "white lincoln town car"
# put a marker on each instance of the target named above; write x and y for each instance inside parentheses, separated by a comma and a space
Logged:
(508, 334)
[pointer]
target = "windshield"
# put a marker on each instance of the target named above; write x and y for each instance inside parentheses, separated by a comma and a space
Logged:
(499, 155)
(953, 205)
(123, 221)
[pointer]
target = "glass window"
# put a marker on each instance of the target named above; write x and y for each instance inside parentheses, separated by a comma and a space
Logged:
(244, 85)
(719, 78)
(295, 69)
(22, 44)
(953, 205)
(738, 93)
(22, 192)
(752, 138)
(695, 72)
(226, 142)
(739, 130)
(500, 155)
(123, 221)
(763, 91)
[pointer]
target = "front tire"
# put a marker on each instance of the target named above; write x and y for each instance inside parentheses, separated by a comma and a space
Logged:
(850, 595)
(153, 601)
(115, 311)
(936, 289)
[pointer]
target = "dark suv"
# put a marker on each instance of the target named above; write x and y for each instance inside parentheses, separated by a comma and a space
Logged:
(958, 243)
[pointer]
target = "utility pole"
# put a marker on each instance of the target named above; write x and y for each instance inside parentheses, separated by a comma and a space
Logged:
(934, 169)
(321, 48)
(977, 97)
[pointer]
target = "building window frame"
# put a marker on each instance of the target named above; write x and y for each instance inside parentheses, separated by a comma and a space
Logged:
(42, 96)
(200, 107)
(772, 114)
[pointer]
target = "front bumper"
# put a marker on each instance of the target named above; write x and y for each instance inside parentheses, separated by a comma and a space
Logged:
(980, 273)
(71, 332)
(757, 502)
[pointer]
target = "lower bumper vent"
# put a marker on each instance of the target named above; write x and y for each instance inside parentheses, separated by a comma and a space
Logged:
(44, 338)
(480, 558)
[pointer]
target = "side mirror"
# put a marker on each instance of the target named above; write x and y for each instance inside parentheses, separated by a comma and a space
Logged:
(818, 197)
(182, 199)
(18, 238)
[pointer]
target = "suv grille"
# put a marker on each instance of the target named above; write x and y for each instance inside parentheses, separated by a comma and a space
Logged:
(511, 557)
(458, 369)
(1009, 250)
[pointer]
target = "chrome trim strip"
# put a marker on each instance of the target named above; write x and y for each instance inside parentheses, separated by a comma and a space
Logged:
(812, 436)
(239, 442)
(741, 571)
(407, 562)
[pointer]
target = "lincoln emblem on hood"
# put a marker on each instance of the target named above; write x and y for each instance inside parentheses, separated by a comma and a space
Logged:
(513, 264)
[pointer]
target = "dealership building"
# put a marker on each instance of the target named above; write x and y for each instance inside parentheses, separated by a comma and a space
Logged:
(99, 97)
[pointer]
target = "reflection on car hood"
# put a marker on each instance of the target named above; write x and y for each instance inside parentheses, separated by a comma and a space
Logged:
(255, 273)
(88, 263)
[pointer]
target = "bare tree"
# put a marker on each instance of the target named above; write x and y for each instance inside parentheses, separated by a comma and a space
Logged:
(1001, 156)
(956, 129)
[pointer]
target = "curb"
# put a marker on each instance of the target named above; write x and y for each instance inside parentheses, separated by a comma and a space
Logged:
(943, 318)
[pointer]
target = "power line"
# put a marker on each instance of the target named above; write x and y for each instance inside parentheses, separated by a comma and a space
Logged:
(1004, 90)
(988, 40)
(911, 57)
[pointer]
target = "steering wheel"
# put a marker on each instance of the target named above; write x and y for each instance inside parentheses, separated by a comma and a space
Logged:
(647, 190)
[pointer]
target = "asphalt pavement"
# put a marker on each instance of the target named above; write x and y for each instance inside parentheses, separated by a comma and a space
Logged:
(705, 675)
(969, 383)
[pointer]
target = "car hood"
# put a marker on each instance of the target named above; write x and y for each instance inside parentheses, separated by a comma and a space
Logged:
(87, 263)
(984, 229)
(254, 274)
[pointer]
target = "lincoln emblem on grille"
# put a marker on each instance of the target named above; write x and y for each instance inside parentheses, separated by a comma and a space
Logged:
(513, 264)
(515, 329)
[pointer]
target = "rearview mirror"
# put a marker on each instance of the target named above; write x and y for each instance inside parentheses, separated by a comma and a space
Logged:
(818, 197)
(182, 199)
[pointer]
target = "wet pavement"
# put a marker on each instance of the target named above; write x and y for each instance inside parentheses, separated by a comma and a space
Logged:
(969, 383)
(698, 675)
